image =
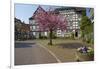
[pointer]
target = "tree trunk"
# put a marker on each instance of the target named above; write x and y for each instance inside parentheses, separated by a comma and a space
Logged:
(50, 37)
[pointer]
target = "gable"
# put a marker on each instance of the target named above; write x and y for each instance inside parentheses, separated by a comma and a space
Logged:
(37, 11)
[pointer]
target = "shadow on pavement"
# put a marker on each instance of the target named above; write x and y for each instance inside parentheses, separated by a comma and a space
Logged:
(70, 45)
(23, 45)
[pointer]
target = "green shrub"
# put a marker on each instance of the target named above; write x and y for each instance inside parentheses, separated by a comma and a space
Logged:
(72, 35)
(88, 40)
(91, 53)
(92, 41)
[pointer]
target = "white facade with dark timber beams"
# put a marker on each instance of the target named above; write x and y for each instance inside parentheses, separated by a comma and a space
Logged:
(73, 16)
(34, 28)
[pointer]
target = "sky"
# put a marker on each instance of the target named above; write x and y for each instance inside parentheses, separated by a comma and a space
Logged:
(25, 11)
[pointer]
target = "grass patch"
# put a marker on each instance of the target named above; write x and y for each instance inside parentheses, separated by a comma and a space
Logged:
(65, 53)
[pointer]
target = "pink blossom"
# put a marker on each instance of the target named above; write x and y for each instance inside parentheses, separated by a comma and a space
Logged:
(50, 21)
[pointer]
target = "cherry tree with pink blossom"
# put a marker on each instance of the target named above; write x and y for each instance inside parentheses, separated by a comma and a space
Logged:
(51, 21)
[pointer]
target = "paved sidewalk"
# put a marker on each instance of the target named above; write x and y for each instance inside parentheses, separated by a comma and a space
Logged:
(28, 52)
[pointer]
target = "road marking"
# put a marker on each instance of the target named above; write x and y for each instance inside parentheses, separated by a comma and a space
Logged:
(50, 53)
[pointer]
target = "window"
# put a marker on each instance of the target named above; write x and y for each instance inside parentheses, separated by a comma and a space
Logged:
(79, 18)
(33, 21)
(45, 33)
(34, 27)
(30, 27)
(73, 16)
(76, 25)
(34, 33)
(76, 17)
(58, 31)
(70, 27)
(76, 22)
(37, 27)
(30, 21)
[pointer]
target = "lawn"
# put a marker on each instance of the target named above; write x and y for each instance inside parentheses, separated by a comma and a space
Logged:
(64, 49)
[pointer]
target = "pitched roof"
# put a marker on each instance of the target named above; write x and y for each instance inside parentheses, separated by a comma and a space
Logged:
(69, 8)
(39, 8)
(36, 12)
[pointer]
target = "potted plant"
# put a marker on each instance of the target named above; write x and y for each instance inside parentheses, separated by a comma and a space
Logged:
(85, 53)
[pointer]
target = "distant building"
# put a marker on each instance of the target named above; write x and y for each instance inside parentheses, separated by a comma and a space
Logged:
(73, 16)
(22, 30)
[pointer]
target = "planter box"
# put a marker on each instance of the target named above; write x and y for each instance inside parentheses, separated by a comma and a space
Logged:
(85, 57)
